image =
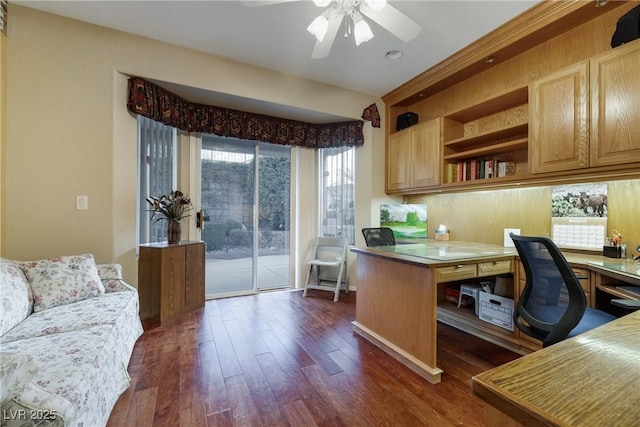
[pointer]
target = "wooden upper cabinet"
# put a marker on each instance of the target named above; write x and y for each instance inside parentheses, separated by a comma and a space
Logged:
(413, 157)
(399, 147)
(615, 106)
(426, 154)
(558, 124)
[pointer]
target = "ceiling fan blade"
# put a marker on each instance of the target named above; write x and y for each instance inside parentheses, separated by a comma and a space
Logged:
(392, 20)
(322, 49)
(253, 3)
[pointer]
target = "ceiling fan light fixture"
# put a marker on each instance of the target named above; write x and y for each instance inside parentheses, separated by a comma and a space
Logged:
(362, 31)
(319, 27)
(376, 4)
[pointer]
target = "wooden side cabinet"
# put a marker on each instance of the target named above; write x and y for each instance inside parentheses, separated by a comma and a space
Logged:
(170, 279)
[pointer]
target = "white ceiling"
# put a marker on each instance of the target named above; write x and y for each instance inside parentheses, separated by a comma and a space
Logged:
(274, 36)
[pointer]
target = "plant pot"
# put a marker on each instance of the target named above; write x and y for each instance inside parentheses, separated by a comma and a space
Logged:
(173, 232)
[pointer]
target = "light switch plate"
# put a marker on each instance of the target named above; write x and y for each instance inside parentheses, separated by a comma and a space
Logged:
(508, 243)
(82, 203)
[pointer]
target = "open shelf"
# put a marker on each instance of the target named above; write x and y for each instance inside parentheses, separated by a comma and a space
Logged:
(496, 104)
(466, 320)
(620, 293)
(503, 147)
(488, 137)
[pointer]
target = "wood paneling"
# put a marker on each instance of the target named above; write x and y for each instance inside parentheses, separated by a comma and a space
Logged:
(281, 359)
(481, 216)
(570, 44)
(399, 305)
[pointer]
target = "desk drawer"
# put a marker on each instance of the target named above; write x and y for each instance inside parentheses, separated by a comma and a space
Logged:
(456, 272)
(583, 272)
(494, 267)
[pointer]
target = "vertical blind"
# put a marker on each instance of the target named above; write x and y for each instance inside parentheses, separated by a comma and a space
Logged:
(157, 174)
(337, 190)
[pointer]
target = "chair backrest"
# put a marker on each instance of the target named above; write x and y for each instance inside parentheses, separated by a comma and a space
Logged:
(553, 301)
(331, 248)
(381, 236)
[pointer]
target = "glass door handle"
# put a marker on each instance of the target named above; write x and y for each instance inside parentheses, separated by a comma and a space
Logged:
(201, 218)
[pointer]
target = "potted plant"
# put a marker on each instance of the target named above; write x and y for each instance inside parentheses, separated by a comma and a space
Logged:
(172, 208)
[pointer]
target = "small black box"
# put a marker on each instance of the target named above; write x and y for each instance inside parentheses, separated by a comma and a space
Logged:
(627, 28)
(612, 251)
(405, 120)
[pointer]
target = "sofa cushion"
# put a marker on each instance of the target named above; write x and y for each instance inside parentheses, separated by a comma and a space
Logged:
(105, 310)
(15, 296)
(62, 280)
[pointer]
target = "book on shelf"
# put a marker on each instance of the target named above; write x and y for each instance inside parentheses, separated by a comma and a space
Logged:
(479, 169)
(452, 172)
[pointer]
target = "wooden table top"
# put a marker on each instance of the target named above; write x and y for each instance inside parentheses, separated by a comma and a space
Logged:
(589, 380)
(438, 253)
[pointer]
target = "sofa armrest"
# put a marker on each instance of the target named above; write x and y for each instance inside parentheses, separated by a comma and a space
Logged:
(111, 276)
(16, 371)
(36, 406)
(23, 401)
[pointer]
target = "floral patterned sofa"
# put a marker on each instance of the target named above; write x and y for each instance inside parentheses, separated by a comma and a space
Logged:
(67, 331)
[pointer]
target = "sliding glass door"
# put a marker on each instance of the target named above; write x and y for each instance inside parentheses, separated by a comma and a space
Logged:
(273, 201)
(245, 192)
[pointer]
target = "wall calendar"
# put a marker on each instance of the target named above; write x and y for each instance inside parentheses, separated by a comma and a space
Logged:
(579, 216)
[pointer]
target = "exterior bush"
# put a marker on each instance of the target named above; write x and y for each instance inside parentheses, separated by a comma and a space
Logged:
(238, 237)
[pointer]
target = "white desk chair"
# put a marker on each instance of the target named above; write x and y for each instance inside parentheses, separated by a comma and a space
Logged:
(331, 254)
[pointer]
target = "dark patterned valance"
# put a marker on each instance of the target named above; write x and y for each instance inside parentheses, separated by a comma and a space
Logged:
(156, 103)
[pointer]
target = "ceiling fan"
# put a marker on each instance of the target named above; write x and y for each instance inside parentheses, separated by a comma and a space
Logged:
(352, 12)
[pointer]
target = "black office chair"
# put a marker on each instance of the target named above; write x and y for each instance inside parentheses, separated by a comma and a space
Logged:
(381, 236)
(553, 305)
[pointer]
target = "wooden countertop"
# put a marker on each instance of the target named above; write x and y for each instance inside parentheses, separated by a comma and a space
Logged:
(589, 380)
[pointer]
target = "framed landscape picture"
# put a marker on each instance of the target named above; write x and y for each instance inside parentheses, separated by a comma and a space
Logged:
(408, 221)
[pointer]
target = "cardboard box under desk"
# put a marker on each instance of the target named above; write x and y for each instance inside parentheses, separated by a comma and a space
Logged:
(497, 310)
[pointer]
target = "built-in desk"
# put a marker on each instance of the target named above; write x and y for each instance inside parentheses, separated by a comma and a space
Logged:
(589, 380)
(397, 298)
(400, 295)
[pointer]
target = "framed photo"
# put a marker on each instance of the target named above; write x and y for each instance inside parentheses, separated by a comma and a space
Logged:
(408, 222)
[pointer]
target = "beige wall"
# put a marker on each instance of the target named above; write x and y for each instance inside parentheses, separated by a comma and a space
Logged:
(68, 131)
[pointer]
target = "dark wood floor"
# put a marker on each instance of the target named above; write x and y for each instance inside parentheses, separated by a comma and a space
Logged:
(280, 359)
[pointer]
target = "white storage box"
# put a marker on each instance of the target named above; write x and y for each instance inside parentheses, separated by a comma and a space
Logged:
(497, 310)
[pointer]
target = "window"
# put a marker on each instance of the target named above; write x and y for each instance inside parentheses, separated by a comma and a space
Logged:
(157, 174)
(337, 192)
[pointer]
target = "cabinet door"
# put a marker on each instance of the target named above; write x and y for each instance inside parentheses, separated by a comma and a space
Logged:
(426, 154)
(172, 278)
(615, 106)
(194, 276)
(398, 160)
(558, 125)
